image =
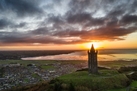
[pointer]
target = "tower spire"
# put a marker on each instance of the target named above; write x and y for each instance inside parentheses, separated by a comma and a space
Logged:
(92, 48)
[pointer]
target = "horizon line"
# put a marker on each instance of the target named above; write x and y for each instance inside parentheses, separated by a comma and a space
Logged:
(68, 49)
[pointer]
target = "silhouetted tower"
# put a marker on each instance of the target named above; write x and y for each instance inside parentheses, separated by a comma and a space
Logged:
(92, 60)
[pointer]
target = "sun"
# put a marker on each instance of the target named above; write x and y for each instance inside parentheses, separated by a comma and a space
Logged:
(88, 45)
(97, 45)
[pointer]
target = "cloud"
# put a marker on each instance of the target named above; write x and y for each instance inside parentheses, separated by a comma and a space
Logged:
(106, 33)
(42, 30)
(4, 23)
(20, 7)
(84, 18)
(16, 37)
(66, 22)
(127, 19)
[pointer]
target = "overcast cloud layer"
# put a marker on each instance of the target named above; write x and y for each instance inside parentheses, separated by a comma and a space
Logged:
(66, 21)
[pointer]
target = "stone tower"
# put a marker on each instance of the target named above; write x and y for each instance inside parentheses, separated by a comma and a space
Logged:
(92, 60)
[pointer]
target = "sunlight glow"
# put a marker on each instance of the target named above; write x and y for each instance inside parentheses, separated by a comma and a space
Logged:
(88, 45)
(97, 45)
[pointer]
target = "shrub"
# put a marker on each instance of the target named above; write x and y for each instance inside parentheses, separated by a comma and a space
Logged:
(71, 87)
(134, 76)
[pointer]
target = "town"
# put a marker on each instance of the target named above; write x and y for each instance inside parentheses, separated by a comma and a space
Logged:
(16, 74)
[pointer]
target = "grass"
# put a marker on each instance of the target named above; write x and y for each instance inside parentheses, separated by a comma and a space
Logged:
(42, 62)
(121, 89)
(134, 84)
(25, 62)
(26, 80)
(132, 87)
(47, 67)
(36, 76)
(99, 82)
(111, 64)
(108, 72)
(117, 64)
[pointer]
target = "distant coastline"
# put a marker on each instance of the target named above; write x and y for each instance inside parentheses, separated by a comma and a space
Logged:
(104, 54)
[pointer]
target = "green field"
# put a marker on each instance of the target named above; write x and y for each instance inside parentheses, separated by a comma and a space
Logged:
(45, 67)
(25, 62)
(41, 62)
(111, 64)
(117, 64)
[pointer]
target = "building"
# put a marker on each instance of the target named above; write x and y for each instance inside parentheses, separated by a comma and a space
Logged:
(92, 60)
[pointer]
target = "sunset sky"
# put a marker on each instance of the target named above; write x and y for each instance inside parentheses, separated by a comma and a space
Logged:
(67, 24)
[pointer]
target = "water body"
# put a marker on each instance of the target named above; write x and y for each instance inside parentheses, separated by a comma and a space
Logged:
(103, 55)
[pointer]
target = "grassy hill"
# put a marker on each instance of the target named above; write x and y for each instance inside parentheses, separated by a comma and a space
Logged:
(106, 79)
